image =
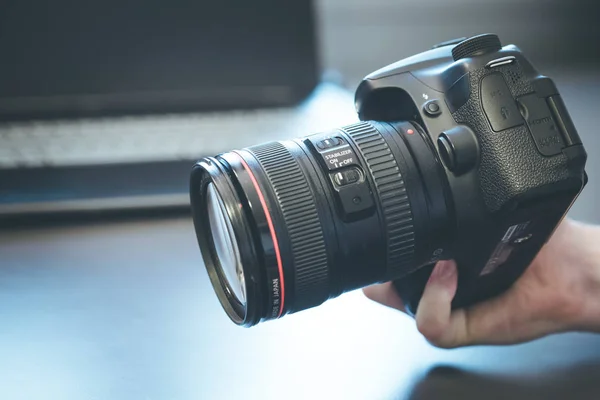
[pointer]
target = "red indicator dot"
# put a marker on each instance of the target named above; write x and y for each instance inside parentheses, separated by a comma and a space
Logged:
(410, 131)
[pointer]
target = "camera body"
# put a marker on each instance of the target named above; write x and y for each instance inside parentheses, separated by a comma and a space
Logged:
(505, 148)
(463, 152)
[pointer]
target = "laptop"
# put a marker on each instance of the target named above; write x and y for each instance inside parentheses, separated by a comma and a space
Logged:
(106, 105)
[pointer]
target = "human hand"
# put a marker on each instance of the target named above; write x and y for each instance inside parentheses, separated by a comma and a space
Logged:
(560, 291)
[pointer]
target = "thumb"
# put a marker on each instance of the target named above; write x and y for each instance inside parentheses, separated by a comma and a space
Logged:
(500, 320)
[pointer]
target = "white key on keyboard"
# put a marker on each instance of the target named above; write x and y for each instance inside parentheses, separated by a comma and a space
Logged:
(169, 137)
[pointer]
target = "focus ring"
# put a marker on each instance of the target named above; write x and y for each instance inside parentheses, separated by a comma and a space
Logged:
(390, 187)
(300, 215)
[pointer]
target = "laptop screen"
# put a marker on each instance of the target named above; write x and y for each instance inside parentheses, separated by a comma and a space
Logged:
(87, 57)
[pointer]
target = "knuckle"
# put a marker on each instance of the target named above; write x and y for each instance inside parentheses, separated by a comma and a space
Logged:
(431, 330)
(437, 333)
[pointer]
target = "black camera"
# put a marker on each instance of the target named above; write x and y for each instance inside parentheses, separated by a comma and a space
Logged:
(464, 152)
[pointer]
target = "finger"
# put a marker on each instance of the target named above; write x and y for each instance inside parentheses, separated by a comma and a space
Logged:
(506, 319)
(434, 313)
(385, 294)
(500, 320)
(489, 322)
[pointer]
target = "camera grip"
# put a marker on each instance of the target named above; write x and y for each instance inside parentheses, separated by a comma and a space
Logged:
(411, 287)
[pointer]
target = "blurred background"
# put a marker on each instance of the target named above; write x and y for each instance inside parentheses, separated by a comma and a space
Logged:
(359, 36)
(105, 105)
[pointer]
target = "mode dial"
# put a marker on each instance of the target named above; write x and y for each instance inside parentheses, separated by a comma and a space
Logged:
(476, 46)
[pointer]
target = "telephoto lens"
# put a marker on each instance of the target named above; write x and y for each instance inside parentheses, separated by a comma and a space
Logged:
(284, 226)
(462, 152)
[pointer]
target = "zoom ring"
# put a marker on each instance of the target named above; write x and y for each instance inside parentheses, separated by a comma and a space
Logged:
(299, 211)
(393, 197)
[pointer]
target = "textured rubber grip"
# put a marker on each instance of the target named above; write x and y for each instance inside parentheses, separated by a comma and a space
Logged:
(297, 205)
(391, 190)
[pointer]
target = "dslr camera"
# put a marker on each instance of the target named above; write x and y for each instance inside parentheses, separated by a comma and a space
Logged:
(463, 152)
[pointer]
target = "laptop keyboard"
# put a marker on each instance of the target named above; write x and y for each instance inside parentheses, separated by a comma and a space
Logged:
(166, 137)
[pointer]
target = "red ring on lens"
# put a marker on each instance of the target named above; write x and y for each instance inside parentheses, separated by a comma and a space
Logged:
(263, 203)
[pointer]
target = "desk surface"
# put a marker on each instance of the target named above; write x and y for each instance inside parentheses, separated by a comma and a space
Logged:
(125, 310)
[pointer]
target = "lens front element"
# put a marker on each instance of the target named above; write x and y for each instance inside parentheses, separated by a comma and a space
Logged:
(225, 245)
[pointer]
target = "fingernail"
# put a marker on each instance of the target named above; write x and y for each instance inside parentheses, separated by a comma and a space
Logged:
(443, 271)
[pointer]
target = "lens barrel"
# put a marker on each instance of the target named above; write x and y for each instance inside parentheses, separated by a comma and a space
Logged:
(312, 218)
